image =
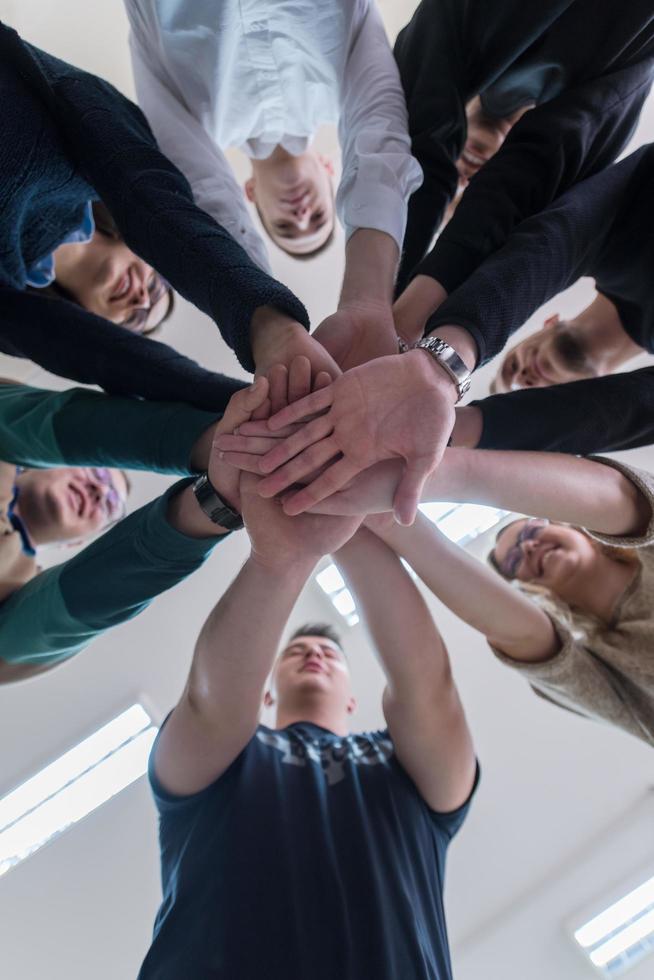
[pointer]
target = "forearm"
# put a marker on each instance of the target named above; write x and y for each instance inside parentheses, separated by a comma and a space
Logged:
(476, 594)
(405, 638)
(238, 643)
(84, 428)
(113, 579)
(596, 415)
(559, 487)
(68, 341)
(370, 265)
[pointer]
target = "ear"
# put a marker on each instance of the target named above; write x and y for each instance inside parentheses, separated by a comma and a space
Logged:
(249, 188)
(551, 321)
(268, 700)
(327, 164)
(351, 706)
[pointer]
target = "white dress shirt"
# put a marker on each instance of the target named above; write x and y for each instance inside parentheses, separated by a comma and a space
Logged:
(260, 73)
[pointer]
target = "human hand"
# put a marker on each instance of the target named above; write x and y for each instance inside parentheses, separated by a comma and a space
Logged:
(400, 406)
(358, 333)
(371, 492)
(280, 541)
(241, 407)
(276, 339)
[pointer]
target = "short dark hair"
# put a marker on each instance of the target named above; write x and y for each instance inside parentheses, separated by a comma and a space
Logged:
(317, 629)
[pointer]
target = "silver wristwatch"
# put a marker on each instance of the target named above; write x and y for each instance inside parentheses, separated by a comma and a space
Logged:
(449, 360)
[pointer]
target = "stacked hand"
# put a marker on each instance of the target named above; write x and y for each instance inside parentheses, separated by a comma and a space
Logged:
(393, 407)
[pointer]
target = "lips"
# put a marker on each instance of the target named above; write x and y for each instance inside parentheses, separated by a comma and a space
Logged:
(123, 286)
(78, 500)
(313, 667)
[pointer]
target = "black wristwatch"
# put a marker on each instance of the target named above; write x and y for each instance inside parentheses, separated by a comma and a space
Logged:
(216, 509)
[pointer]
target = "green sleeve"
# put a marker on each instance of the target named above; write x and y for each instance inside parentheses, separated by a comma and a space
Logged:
(86, 428)
(112, 580)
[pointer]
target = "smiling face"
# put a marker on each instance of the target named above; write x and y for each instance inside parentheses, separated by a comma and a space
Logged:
(553, 355)
(313, 669)
(69, 503)
(295, 200)
(108, 279)
(484, 138)
(554, 556)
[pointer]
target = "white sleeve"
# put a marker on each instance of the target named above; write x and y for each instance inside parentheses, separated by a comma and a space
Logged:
(379, 172)
(183, 139)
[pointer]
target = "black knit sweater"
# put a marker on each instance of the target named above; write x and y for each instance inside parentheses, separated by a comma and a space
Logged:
(586, 64)
(66, 137)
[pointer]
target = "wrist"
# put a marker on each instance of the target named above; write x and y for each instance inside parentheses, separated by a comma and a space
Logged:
(420, 299)
(269, 327)
(288, 569)
(461, 340)
(371, 260)
(186, 516)
(427, 369)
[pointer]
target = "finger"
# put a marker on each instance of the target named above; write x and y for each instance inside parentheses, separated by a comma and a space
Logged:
(317, 401)
(323, 378)
(288, 448)
(242, 461)
(255, 445)
(298, 468)
(263, 411)
(409, 490)
(338, 505)
(299, 378)
(244, 402)
(278, 378)
(257, 428)
(332, 480)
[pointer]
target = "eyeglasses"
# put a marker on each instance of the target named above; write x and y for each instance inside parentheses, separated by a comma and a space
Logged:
(511, 561)
(114, 504)
(146, 318)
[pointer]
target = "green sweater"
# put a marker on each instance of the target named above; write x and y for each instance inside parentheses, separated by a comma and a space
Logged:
(57, 613)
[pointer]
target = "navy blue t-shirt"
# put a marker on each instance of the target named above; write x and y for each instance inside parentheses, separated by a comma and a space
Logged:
(313, 857)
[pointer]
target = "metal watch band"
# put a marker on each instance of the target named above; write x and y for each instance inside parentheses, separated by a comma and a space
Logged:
(450, 361)
(213, 505)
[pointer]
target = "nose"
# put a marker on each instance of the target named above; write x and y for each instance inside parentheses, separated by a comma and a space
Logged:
(140, 276)
(314, 652)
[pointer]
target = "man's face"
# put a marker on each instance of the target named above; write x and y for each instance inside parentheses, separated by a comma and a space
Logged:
(296, 203)
(313, 666)
(69, 503)
(551, 356)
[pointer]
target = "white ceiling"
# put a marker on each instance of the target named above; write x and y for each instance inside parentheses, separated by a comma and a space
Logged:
(84, 905)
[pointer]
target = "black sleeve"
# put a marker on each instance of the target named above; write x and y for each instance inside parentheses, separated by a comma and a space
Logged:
(449, 52)
(151, 202)
(543, 256)
(552, 147)
(599, 415)
(68, 341)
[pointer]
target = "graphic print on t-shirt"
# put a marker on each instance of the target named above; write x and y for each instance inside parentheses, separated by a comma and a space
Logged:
(330, 756)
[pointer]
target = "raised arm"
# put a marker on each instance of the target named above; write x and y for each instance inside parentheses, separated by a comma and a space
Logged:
(421, 704)
(544, 255)
(72, 343)
(114, 578)
(219, 709)
(553, 146)
(476, 594)
(447, 54)
(79, 427)
(595, 415)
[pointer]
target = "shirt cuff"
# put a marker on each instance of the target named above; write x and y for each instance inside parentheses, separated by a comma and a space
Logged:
(168, 546)
(378, 208)
(451, 263)
(556, 668)
(645, 483)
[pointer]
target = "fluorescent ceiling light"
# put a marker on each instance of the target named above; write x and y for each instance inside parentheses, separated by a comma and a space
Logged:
(621, 934)
(459, 522)
(74, 785)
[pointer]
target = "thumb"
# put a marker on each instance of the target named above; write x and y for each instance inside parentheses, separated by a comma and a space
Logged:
(244, 403)
(409, 490)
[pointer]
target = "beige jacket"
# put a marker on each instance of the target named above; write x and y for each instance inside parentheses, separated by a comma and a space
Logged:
(609, 677)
